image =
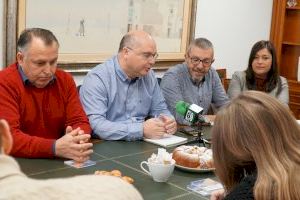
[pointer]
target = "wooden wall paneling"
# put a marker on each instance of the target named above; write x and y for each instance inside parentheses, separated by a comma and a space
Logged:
(294, 94)
(291, 31)
(289, 59)
(277, 24)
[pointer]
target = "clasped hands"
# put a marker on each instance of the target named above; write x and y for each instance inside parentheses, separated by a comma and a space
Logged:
(156, 128)
(74, 145)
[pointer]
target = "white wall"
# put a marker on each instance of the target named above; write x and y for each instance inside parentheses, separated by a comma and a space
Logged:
(79, 78)
(233, 26)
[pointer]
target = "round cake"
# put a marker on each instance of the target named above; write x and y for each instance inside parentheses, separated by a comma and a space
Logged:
(193, 157)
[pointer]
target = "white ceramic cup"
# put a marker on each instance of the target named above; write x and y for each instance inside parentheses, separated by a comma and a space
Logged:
(159, 172)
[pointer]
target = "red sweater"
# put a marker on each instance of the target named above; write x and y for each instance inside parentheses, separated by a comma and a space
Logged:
(39, 116)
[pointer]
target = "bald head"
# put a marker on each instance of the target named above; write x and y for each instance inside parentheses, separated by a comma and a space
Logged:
(137, 53)
(135, 38)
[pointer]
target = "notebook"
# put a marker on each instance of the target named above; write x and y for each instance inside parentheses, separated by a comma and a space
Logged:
(168, 141)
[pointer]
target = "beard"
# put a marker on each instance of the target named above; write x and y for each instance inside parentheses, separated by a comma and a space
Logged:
(197, 80)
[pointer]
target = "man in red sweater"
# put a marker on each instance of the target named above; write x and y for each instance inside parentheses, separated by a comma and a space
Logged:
(41, 103)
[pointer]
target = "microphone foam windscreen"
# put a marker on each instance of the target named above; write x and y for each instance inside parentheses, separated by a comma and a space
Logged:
(181, 107)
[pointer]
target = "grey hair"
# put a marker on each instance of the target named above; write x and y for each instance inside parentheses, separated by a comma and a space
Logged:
(201, 43)
(28, 34)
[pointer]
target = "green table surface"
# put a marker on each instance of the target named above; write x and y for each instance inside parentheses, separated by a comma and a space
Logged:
(126, 157)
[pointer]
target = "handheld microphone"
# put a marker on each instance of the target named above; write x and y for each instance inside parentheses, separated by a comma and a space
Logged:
(192, 113)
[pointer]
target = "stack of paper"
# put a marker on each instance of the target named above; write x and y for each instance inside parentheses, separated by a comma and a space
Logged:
(168, 140)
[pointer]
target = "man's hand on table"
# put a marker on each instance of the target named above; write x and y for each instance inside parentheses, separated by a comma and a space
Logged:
(74, 145)
(155, 128)
(170, 124)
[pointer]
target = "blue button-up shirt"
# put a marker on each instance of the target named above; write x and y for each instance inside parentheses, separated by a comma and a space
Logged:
(117, 105)
(177, 85)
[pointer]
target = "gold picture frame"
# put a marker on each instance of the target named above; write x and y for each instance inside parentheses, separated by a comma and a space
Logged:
(30, 14)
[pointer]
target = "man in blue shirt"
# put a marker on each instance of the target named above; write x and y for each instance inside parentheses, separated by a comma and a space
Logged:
(119, 94)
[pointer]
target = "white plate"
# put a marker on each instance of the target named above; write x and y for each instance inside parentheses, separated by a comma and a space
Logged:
(194, 169)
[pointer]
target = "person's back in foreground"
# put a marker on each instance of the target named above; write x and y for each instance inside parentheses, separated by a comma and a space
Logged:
(256, 149)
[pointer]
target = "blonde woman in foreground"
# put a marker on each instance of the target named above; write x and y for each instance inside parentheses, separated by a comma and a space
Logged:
(256, 145)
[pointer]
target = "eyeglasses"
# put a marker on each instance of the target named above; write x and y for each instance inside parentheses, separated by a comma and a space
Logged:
(145, 55)
(205, 62)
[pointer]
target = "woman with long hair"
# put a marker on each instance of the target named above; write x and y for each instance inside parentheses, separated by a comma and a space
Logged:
(261, 74)
(256, 149)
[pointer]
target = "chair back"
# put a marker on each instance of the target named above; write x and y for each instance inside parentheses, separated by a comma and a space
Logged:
(158, 80)
(78, 88)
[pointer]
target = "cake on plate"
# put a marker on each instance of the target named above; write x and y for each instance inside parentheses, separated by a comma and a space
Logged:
(193, 157)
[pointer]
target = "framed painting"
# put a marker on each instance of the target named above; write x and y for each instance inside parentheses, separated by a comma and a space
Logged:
(90, 31)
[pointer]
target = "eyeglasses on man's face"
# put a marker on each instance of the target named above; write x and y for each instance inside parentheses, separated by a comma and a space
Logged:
(206, 62)
(145, 55)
